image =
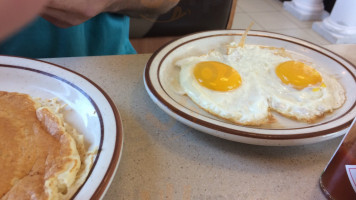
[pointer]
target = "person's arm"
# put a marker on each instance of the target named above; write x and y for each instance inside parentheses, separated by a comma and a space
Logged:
(137, 8)
(16, 13)
(66, 13)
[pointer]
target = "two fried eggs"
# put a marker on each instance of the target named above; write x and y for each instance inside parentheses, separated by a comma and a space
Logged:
(248, 82)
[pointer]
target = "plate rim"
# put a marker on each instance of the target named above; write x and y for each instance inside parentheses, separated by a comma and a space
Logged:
(237, 32)
(118, 147)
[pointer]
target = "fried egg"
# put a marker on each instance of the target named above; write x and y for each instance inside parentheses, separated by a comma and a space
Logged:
(219, 86)
(299, 90)
(247, 82)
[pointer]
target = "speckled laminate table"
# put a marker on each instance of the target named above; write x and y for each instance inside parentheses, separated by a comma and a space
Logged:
(164, 159)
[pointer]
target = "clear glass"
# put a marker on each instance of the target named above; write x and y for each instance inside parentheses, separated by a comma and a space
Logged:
(336, 181)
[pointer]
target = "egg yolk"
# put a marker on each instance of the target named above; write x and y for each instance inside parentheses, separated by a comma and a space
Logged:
(298, 74)
(217, 76)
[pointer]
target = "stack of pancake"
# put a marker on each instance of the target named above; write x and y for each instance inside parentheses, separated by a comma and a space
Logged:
(41, 156)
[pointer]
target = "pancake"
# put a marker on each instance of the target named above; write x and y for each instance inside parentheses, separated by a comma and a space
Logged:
(41, 156)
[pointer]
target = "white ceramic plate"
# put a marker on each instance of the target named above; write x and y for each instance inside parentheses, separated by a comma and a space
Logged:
(89, 109)
(161, 75)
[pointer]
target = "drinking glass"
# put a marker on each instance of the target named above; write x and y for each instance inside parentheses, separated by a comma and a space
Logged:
(338, 181)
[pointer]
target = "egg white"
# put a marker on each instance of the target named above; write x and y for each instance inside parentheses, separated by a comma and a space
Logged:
(307, 104)
(244, 105)
(261, 90)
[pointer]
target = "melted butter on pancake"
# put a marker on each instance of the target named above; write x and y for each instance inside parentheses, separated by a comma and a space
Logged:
(41, 156)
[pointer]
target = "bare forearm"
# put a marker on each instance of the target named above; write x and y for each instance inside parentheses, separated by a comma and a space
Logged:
(16, 13)
(66, 13)
(137, 8)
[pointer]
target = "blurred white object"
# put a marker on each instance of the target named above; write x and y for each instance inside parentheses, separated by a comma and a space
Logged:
(340, 26)
(306, 10)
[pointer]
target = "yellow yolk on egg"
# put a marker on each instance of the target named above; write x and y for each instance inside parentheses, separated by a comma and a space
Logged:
(217, 76)
(298, 74)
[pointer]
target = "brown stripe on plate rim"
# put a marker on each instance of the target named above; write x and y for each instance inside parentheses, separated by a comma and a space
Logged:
(234, 131)
(100, 190)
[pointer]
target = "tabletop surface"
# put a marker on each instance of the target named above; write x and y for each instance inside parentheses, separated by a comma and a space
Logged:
(165, 159)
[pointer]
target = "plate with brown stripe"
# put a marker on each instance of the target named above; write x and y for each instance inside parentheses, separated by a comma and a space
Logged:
(161, 79)
(88, 109)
